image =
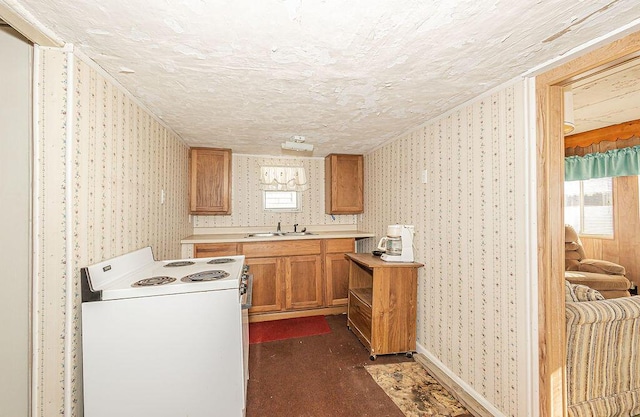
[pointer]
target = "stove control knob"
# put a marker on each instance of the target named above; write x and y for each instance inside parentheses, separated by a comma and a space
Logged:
(245, 268)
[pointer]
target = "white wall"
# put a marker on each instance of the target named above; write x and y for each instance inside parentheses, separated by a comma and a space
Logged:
(246, 207)
(470, 222)
(15, 242)
(102, 163)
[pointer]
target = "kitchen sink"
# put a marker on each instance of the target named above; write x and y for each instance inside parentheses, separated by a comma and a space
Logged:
(278, 234)
(265, 234)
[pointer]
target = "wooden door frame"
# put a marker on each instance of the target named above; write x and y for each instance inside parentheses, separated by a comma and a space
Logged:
(550, 179)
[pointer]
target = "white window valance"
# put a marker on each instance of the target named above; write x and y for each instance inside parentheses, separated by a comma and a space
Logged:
(283, 178)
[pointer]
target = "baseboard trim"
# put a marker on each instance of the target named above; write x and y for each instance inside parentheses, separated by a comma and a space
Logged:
(475, 403)
(328, 311)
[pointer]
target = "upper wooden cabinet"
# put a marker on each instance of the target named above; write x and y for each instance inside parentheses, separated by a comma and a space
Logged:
(210, 181)
(344, 184)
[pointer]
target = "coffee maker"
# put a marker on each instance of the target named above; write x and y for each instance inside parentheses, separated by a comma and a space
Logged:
(398, 244)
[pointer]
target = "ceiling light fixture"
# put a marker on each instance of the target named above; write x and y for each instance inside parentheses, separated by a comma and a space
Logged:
(297, 144)
(569, 122)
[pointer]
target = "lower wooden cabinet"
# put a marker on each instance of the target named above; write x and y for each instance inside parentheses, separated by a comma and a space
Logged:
(336, 271)
(267, 284)
(303, 282)
(292, 278)
(287, 275)
(336, 279)
(286, 283)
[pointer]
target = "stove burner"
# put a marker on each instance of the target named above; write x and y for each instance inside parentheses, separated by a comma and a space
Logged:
(221, 261)
(179, 263)
(205, 276)
(147, 282)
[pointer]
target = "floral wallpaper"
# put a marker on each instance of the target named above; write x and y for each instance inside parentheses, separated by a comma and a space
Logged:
(97, 145)
(469, 222)
(246, 206)
(122, 164)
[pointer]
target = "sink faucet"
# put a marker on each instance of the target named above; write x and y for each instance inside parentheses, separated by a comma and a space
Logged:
(295, 228)
(278, 228)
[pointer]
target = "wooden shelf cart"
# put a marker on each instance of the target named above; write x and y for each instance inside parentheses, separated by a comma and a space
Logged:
(382, 304)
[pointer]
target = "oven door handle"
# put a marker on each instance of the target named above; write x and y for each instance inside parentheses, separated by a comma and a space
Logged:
(248, 295)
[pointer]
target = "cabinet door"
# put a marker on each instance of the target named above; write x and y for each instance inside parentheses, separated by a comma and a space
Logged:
(210, 181)
(344, 184)
(303, 282)
(267, 284)
(337, 279)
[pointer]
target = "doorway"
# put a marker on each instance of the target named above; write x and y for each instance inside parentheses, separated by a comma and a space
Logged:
(550, 179)
(15, 221)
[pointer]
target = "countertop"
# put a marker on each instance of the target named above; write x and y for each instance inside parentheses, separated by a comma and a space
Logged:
(241, 237)
(370, 261)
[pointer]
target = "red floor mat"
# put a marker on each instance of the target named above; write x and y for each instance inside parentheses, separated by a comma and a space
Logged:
(268, 331)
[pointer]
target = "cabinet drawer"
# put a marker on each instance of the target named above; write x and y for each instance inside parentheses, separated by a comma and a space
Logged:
(205, 250)
(340, 245)
(360, 315)
(281, 248)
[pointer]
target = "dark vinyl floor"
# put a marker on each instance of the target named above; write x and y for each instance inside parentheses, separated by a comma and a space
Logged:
(317, 376)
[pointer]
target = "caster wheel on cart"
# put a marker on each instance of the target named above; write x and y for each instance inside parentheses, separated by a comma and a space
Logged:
(409, 355)
(372, 357)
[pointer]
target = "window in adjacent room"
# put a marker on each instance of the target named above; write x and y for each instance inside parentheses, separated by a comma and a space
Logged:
(282, 201)
(588, 206)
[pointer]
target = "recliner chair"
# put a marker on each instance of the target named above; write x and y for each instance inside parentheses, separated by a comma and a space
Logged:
(606, 277)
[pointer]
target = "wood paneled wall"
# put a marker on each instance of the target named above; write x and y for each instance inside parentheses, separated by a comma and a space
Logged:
(625, 245)
(550, 163)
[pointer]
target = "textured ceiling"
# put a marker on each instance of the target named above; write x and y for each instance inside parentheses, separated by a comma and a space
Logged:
(608, 98)
(347, 75)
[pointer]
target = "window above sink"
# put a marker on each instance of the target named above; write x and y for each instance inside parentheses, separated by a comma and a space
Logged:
(282, 201)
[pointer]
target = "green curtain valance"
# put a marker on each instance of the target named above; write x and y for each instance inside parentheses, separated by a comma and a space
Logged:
(612, 163)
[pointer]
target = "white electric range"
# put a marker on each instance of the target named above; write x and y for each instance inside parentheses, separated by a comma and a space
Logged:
(165, 338)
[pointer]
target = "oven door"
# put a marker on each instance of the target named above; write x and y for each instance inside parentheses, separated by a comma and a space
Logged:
(246, 291)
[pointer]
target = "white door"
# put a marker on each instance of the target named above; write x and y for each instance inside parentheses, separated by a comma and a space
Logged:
(15, 242)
